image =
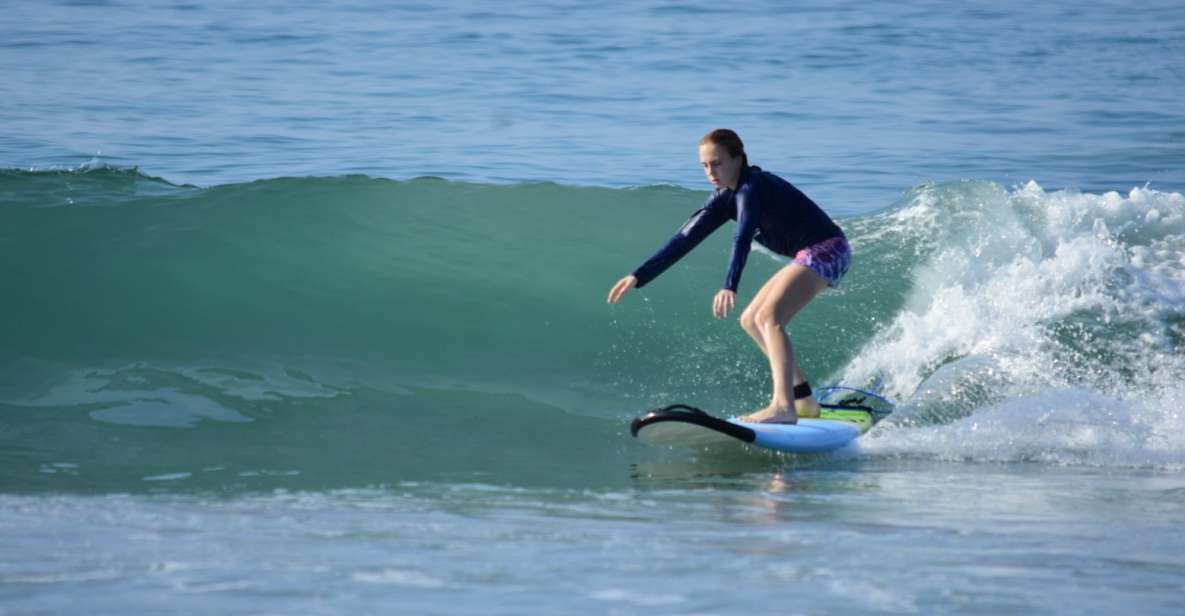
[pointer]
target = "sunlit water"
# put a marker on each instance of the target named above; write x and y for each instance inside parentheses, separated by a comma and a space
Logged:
(235, 378)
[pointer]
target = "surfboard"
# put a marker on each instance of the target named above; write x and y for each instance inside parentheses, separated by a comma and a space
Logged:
(846, 413)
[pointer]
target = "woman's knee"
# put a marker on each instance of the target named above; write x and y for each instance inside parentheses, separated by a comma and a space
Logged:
(766, 318)
(747, 322)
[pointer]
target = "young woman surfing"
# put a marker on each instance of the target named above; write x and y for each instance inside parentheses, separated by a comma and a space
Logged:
(773, 212)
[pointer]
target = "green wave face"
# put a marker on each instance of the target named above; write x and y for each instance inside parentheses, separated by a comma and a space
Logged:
(348, 330)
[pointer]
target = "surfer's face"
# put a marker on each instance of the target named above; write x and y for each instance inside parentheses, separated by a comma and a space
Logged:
(721, 168)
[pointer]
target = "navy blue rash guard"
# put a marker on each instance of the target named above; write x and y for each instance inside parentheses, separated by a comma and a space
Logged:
(767, 209)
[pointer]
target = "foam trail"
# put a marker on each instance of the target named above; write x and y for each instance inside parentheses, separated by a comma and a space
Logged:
(1039, 326)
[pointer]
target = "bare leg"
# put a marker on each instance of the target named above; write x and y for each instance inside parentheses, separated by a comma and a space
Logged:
(778, 301)
(749, 315)
(750, 327)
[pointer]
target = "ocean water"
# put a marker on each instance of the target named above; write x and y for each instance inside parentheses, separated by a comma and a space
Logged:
(304, 308)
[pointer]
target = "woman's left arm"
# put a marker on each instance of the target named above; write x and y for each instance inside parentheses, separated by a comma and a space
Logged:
(742, 240)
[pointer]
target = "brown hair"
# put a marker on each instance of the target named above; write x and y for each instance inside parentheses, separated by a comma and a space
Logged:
(728, 140)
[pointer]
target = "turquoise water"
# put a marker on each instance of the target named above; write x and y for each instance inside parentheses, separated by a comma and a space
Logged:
(305, 308)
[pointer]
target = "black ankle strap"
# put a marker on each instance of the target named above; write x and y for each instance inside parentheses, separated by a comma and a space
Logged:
(802, 390)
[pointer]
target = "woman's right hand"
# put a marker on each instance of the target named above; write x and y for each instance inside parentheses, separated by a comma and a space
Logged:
(621, 288)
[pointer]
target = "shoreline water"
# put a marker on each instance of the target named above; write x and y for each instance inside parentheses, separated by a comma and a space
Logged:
(880, 536)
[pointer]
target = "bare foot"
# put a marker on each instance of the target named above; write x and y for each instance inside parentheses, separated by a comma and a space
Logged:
(806, 407)
(774, 413)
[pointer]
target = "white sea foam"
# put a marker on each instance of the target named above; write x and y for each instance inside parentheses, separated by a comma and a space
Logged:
(1040, 326)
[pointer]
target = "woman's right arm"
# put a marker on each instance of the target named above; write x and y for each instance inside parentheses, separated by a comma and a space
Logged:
(699, 226)
(621, 288)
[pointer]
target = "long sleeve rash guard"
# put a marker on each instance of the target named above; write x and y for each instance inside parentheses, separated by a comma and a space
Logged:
(767, 209)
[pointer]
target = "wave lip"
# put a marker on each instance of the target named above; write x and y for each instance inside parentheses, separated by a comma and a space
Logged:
(92, 183)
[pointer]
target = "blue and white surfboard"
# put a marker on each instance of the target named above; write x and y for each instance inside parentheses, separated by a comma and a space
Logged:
(846, 414)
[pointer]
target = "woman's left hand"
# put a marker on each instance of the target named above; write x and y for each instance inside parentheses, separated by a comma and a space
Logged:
(723, 303)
